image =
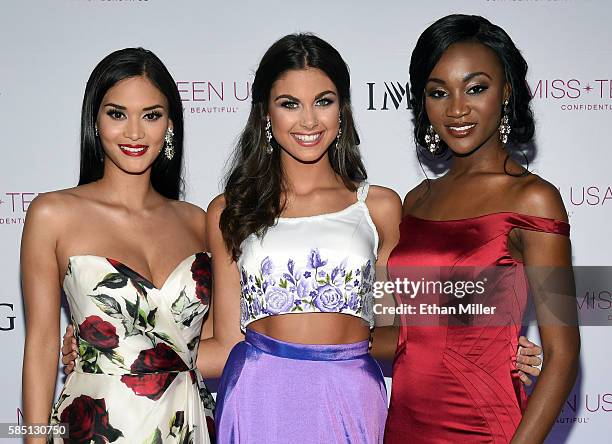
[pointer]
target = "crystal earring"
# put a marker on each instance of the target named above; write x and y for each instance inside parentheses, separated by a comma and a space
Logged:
(504, 126)
(269, 148)
(169, 144)
(432, 140)
(339, 130)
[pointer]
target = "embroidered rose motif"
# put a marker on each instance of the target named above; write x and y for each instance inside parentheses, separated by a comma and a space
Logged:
(329, 298)
(278, 300)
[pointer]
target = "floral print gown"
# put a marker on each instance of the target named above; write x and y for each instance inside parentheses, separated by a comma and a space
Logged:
(135, 378)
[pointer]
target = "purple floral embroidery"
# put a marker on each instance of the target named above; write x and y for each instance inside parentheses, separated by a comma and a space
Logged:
(314, 259)
(244, 311)
(329, 298)
(256, 308)
(366, 271)
(354, 301)
(314, 286)
(304, 287)
(278, 300)
(267, 266)
(290, 265)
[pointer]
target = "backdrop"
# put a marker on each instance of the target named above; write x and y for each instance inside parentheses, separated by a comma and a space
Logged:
(49, 47)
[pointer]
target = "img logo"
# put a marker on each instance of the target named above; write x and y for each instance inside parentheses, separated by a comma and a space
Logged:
(388, 95)
(7, 317)
(13, 206)
(213, 97)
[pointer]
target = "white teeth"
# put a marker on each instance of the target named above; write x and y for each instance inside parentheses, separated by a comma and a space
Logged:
(132, 150)
(307, 137)
(462, 128)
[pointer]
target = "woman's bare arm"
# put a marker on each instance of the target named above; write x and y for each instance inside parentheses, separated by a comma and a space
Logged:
(385, 208)
(41, 294)
(213, 351)
(543, 254)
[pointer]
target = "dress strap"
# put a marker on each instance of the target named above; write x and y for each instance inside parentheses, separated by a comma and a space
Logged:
(362, 191)
(537, 223)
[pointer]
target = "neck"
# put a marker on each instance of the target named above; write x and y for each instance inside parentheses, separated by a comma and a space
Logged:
(486, 159)
(132, 191)
(303, 178)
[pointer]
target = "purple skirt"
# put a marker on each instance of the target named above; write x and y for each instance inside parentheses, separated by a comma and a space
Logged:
(280, 392)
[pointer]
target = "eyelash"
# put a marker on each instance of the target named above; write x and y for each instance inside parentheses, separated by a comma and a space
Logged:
(289, 104)
(474, 90)
(480, 88)
(117, 114)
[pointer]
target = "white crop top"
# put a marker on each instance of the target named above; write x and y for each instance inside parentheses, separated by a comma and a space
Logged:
(322, 263)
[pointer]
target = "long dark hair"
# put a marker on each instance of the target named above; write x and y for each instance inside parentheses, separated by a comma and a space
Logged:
(255, 183)
(166, 175)
(470, 28)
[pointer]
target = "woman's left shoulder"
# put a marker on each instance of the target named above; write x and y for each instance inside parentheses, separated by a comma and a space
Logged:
(539, 197)
(385, 206)
(192, 214)
(383, 198)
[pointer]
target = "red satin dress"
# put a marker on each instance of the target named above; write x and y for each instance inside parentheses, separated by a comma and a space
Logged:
(454, 376)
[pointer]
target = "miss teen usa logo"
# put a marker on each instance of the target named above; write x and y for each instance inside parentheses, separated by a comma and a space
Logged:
(13, 206)
(202, 97)
(576, 94)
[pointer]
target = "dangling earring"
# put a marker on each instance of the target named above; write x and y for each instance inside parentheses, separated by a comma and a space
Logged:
(269, 148)
(169, 144)
(432, 139)
(96, 130)
(504, 126)
(339, 130)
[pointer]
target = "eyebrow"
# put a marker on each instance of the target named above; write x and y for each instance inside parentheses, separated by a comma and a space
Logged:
(290, 97)
(466, 78)
(148, 108)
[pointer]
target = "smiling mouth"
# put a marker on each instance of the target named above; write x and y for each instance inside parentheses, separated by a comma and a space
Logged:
(133, 150)
(307, 139)
(460, 130)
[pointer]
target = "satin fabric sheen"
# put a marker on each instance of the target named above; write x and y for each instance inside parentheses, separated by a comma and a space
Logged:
(279, 392)
(454, 383)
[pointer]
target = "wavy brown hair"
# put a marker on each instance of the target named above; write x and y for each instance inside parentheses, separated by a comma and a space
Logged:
(255, 184)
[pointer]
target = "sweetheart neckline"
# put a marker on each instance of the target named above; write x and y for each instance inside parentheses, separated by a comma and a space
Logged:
(148, 281)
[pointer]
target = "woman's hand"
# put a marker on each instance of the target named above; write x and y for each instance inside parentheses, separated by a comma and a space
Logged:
(528, 361)
(69, 350)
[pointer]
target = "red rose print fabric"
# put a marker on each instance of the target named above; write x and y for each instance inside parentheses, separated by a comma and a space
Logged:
(135, 379)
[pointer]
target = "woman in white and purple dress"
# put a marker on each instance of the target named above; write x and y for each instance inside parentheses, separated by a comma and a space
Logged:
(295, 239)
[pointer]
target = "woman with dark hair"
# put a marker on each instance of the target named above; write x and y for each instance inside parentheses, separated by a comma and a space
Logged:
(135, 378)
(295, 239)
(486, 220)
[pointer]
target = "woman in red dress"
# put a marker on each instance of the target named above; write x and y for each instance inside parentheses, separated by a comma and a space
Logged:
(487, 216)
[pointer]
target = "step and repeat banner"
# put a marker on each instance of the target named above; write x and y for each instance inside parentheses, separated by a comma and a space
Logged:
(49, 47)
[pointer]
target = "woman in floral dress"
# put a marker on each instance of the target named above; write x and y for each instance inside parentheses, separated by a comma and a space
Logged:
(135, 378)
